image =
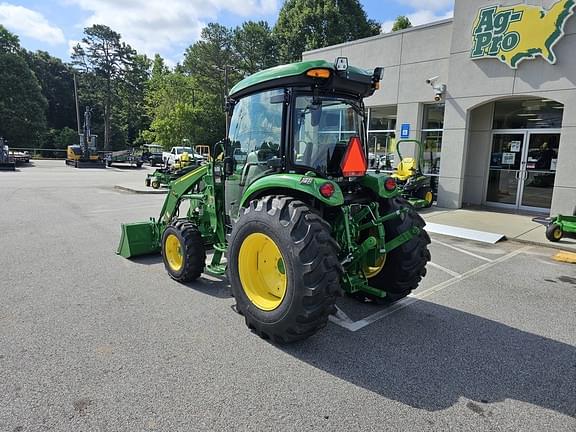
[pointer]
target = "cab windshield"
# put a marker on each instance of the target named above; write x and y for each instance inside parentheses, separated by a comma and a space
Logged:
(322, 130)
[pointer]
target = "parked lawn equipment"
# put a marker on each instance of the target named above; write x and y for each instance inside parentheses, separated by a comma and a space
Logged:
(152, 153)
(163, 176)
(7, 162)
(288, 198)
(416, 187)
(558, 227)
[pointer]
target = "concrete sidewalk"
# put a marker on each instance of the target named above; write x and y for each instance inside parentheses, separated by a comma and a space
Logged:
(513, 226)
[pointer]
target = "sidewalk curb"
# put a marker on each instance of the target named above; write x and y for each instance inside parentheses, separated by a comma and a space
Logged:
(549, 245)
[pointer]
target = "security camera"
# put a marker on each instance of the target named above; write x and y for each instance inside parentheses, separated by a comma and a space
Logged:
(439, 91)
(432, 80)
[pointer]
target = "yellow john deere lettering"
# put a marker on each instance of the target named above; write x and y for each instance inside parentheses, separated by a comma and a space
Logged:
(516, 33)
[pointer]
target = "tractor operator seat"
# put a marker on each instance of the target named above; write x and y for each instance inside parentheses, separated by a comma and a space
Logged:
(405, 169)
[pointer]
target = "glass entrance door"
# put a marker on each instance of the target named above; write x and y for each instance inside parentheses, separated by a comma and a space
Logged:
(523, 170)
(539, 170)
(505, 169)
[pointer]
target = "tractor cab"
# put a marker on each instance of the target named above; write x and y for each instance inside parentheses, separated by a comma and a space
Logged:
(305, 118)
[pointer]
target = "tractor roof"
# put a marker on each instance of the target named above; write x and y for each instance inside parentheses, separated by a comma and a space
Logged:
(353, 80)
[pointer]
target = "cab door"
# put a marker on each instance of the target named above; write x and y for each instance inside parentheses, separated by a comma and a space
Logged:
(255, 137)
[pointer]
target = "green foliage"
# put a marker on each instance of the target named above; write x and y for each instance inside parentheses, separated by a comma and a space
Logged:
(180, 110)
(22, 106)
(255, 47)
(60, 138)
(108, 68)
(57, 82)
(212, 59)
(9, 43)
(310, 24)
(401, 23)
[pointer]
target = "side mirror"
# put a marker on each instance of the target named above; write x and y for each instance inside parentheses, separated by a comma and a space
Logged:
(228, 166)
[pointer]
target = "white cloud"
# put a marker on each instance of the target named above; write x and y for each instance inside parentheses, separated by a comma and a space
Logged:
(29, 23)
(419, 17)
(153, 26)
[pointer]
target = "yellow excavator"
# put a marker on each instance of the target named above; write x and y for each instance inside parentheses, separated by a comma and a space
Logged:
(85, 155)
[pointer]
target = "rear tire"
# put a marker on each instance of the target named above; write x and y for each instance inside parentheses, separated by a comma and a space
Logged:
(554, 233)
(183, 251)
(308, 269)
(406, 265)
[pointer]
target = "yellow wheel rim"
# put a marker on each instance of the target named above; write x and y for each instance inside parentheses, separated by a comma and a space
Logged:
(557, 234)
(428, 197)
(373, 271)
(173, 252)
(262, 271)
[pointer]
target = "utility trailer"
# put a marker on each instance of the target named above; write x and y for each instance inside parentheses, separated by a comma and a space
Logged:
(131, 157)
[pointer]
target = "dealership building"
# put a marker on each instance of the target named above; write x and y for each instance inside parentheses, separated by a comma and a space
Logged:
(491, 94)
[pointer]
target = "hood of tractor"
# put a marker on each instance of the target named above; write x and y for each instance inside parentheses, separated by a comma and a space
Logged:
(315, 73)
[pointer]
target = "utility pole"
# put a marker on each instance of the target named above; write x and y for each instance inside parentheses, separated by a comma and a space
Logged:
(77, 107)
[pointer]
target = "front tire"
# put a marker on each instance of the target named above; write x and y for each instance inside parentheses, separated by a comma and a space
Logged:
(283, 268)
(405, 266)
(183, 251)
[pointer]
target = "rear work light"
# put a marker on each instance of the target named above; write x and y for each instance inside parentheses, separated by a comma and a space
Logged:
(318, 73)
(354, 161)
(327, 190)
(390, 184)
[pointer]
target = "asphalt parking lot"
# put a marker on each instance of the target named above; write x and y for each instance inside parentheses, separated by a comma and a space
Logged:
(91, 341)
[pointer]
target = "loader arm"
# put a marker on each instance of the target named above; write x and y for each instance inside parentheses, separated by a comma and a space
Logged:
(178, 189)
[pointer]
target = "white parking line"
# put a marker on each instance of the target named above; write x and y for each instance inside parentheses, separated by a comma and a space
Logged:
(354, 326)
(464, 251)
(444, 269)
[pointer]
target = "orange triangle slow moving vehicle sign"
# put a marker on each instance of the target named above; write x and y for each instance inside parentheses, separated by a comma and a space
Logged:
(354, 161)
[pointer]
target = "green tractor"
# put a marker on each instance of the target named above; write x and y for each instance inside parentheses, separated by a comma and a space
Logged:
(288, 199)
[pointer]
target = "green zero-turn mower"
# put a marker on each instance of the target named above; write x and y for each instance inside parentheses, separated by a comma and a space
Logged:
(416, 187)
(288, 199)
(559, 227)
(163, 176)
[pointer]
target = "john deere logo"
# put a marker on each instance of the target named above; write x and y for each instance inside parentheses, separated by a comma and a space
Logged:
(515, 33)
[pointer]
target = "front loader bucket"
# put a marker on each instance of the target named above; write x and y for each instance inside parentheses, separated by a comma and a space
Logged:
(140, 238)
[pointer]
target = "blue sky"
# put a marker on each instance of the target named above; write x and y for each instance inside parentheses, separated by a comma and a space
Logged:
(168, 26)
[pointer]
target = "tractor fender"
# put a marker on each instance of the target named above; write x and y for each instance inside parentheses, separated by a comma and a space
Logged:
(287, 183)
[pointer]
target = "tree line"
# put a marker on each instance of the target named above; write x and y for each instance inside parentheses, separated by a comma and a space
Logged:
(136, 99)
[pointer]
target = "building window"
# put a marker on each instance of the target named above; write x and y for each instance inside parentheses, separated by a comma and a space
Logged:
(382, 138)
(528, 114)
(432, 131)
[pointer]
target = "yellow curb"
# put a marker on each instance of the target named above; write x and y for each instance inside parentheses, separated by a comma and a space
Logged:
(567, 257)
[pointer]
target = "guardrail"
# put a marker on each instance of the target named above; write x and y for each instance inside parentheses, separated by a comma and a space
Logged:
(40, 153)
(45, 153)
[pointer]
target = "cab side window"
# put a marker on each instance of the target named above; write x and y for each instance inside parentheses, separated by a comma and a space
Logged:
(256, 128)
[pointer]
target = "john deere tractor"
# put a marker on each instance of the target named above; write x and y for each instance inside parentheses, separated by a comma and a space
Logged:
(288, 200)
